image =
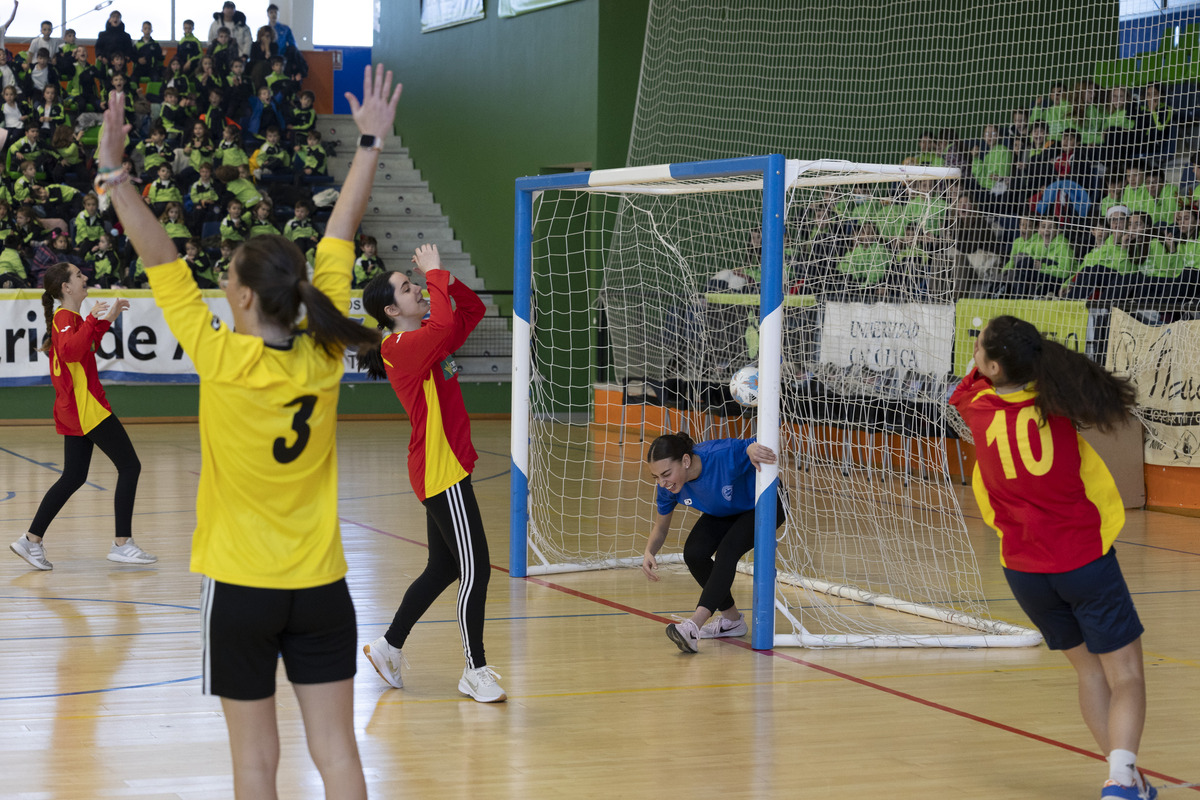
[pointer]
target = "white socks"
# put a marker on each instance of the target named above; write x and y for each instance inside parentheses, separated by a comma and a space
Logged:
(1122, 767)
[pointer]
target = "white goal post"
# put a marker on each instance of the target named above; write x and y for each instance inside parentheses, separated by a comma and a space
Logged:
(610, 261)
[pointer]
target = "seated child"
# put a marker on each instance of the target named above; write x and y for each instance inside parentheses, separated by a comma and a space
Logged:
(202, 268)
(106, 265)
(367, 265)
(261, 223)
(233, 227)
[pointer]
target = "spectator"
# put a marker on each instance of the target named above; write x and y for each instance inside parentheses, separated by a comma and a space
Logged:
(82, 83)
(175, 78)
(189, 48)
(1113, 194)
(311, 159)
(205, 198)
(41, 75)
(264, 114)
(272, 157)
(43, 42)
(302, 118)
(7, 76)
(200, 264)
(1117, 125)
(64, 57)
(367, 265)
(14, 115)
(865, 267)
(300, 229)
(162, 193)
(105, 263)
(154, 153)
(1103, 274)
(49, 111)
(1020, 252)
(88, 225)
(976, 249)
(1053, 263)
(260, 55)
(991, 161)
(927, 155)
(283, 34)
(1085, 117)
(198, 150)
(1153, 131)
(229, 152)
(208, 74)
(114, 40)
(172, 221)
(237, 183)
(235, 21)
(1158, 284)
(261, 223)
(1018, 127)
(233, 227)
(1053, 110)
(172, 118)
(148, 57)
(224, 52)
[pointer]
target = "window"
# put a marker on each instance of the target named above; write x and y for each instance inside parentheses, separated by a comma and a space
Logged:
(343, 23)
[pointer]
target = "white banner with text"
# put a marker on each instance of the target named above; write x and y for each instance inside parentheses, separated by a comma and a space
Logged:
(914, 337)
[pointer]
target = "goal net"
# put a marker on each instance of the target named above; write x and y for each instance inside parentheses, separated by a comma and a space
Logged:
(645, 287)
(1074, 126)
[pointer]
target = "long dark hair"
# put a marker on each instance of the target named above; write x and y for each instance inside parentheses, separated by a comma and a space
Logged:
(1068, 384)
(670, 445)
(52, 283)
(275, 270)
(377, 295)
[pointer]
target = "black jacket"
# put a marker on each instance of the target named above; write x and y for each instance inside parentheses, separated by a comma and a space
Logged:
(114, 40)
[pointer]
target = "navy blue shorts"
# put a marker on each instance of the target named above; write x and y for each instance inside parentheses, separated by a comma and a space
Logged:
(246, 630)
(1087, 605)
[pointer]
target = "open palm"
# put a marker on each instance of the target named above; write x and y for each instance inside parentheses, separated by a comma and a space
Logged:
(111, 149)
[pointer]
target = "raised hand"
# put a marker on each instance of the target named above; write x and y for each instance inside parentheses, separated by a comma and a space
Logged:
(377, 111)
(427, 258)
(111, 148)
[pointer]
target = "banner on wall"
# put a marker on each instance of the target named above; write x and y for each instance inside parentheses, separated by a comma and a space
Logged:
(1064, 321)
(138, 348)
(1160, 359)
(438, 14)
(909, 338)
(512, 8)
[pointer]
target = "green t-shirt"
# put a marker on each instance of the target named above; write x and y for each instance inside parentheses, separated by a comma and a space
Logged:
(1057, 257)
(1109, 256)
(1021, 246)
(1160, 263)
(866, 264)
(996, 165)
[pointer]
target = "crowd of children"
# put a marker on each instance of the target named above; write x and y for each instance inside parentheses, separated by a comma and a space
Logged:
(220, 156)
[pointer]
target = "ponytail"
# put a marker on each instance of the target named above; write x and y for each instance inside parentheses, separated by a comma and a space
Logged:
(274, 269)
(331, 329)
(1068, 384)
(377, 296)
(52, 283)
(673, 446)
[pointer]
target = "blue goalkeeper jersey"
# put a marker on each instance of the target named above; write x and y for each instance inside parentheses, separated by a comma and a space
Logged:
(726, 483)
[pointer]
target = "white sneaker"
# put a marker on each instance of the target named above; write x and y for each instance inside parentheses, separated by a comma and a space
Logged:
(130, 553)
(386, 660)
(33, 552)
(720, 628)
(685, 635)
(480, 683)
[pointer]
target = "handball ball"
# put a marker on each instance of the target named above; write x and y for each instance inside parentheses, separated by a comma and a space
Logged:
(744, 386)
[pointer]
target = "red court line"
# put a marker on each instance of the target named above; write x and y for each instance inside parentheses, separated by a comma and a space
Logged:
(819, 667)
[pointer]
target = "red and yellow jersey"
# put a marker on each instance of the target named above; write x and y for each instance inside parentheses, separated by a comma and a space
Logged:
(1043, 488)
(79, 401)
(267, 503)
(421, 368)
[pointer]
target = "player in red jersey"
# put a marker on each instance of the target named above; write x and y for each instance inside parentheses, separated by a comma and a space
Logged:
(1055, 505)
(417, 356)
(82, 415)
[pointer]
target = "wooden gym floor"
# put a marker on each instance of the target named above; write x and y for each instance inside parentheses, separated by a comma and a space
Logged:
(101, 692)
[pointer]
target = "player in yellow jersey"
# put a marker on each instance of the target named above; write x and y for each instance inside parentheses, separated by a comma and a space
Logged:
(267, 538)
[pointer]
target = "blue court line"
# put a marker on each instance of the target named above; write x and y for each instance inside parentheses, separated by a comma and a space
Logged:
(46, 465)
(1156, 547)
(95, 600)
(101, 691)
(8, 496)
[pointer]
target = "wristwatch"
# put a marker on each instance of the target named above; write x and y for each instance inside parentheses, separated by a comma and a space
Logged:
(369, 142)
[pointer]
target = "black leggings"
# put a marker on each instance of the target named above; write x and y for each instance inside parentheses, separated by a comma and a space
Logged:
(712, 552)
(458, 551)
(77, 458)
